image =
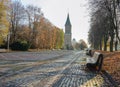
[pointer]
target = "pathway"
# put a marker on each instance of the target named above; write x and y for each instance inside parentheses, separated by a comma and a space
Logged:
(66, 71)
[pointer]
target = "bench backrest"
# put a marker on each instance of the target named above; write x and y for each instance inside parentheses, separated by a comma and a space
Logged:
(96, 56)
(88, 52)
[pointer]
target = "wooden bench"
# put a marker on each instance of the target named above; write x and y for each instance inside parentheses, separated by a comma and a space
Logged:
(95, 62)
(88, 52)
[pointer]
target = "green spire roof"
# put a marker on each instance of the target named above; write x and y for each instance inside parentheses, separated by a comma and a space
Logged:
(68, 21)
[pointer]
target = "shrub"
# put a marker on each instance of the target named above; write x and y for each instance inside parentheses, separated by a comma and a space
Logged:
(3, 46)
(20, 45)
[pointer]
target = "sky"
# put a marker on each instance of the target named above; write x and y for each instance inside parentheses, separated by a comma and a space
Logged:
(56, 11)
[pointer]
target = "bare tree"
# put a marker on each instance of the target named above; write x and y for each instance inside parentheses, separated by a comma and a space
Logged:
(34, 15)
(17, 15)
(109, 15)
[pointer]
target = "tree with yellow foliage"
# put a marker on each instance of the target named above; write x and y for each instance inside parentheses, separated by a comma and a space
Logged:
(4, 24)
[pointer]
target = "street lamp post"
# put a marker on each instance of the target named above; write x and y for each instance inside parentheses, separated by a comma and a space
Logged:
(8, 39)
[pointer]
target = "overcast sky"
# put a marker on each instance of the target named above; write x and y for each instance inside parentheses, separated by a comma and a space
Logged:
(56, 11)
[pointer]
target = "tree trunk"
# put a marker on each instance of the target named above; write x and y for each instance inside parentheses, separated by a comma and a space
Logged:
(100, 44)
(111, 44)
(116, 43)
(105, 44)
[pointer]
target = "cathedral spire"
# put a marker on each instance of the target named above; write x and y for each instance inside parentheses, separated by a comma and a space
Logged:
(68, 21)
(68, 34)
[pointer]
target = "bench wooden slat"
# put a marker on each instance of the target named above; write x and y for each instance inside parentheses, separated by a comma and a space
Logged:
(94, 58)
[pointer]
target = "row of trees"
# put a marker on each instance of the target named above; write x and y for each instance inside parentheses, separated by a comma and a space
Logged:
(104, 26)
(27, 23)
(80, 45)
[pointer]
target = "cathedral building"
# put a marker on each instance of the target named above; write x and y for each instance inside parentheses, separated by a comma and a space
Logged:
(68, 34)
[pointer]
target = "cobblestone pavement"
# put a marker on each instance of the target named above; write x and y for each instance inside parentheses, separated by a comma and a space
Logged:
(66, 71)
(43, 55)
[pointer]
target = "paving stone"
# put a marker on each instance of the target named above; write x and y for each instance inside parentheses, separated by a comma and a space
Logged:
(62, 72)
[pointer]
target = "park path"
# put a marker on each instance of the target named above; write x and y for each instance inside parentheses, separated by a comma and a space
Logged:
(66, 71)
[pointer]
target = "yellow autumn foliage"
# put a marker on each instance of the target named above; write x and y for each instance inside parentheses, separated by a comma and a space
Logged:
(4, 24)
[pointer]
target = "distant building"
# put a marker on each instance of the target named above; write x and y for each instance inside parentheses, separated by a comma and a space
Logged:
(68, 34)
(74, 42)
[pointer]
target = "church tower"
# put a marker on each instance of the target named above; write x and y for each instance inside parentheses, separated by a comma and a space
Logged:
(68, 34)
